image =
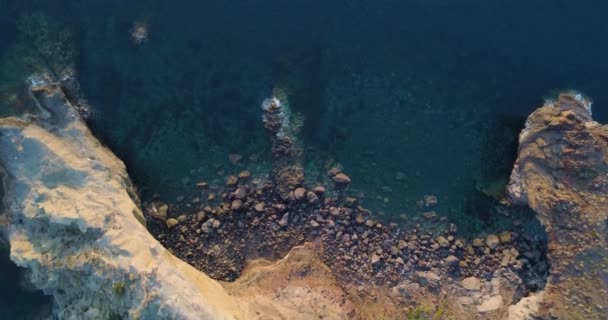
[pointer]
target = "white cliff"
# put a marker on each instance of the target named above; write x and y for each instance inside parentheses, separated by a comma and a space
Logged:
(73, 224)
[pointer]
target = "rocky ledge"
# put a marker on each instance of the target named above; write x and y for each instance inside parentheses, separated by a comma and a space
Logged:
(562, 174)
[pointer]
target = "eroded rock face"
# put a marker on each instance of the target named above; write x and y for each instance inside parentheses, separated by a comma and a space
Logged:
(562, 173)
(73, 224)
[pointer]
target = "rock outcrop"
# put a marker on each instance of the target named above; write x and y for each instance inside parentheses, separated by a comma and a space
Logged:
(77, 229)
(562, 174)
(73, 222)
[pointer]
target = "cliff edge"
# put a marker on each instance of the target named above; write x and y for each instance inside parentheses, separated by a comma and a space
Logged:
(74, 226)
(562, 174)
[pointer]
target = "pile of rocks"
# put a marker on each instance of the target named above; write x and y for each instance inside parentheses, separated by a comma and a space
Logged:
(246, 219)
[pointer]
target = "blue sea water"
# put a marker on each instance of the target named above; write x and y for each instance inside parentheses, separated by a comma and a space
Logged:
(410, 97)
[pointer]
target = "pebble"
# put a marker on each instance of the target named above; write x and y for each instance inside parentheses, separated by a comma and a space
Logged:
(471, 283)
(451, 261)
(240, 193)
(333, 171)
(443, 242)
(345, 238)
(314, 224)
(206, 229)
(236, 205)
(492, 241)
(334, 211)
(320, 190)
(394, 251)
(259, 207)
(375, 259)
(232, 180)
(401, 245)
(477, 243)
(216, 224)
(505, 237)
(284, 220)
(171, 223)
(200, 216)
(429, 215)
(202, 185)
(299, 193)
(312, 197)
(359, 218)
(245, 174)
(160, 213)
(341, 179)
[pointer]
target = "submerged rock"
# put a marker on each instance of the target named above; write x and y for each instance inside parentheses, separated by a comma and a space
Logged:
(341, 179)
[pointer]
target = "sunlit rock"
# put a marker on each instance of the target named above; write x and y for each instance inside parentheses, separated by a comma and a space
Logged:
(74, 224)
(562, 174)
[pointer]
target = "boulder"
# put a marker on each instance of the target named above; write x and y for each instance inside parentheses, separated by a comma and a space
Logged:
(443, 242)
(471, 283)
(341, 179)
(299, 194)
(492, 241)
(171, 223)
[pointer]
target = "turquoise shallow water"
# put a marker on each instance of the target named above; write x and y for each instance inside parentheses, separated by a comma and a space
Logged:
(409, 97)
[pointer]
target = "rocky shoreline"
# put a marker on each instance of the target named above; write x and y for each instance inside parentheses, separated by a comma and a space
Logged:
(292, 249)
(219, 236)
(247, 218)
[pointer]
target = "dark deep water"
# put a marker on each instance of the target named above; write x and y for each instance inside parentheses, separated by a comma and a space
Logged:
(410, 97)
